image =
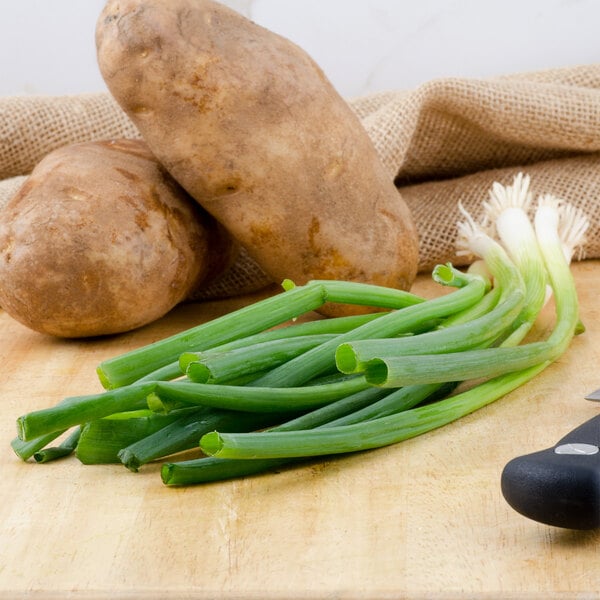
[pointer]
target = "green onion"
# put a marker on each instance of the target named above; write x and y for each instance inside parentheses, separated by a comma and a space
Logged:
(353, 357)
(322, 358)
(137, 441)
(25, 449)
(202, 470)
(350, 292)
(268, 394)
(397, 401)
(294, 301)
(507, 209)
(131, 366)
(252, 399)
(81, 409)
(479, 309)
(396, 371)
(364, 435)
(318, 327)
(369, 404)
(184, 433)
(219, 367)
(102, 439)
(490, 362)
(65, 448)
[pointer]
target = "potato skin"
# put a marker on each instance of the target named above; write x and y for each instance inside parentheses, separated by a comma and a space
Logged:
(100, 239)
(254, 131)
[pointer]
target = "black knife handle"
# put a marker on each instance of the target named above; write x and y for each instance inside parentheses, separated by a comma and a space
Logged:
(559, 486)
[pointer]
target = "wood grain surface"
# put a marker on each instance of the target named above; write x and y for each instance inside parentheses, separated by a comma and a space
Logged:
(421, 519)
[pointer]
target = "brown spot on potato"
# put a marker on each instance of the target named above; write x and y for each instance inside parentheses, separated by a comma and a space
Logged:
(313, 231)
(141, 111)
(141, 220)
(127, 174)
(261, 233)
(227, 188)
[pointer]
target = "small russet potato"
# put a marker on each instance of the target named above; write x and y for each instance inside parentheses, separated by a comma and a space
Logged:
(100, 239)
(251, 127)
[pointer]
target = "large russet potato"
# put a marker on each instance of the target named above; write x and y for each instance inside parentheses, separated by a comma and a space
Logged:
(249, 125)
(100, 239)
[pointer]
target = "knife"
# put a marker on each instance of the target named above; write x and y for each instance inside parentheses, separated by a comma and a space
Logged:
(559, 486)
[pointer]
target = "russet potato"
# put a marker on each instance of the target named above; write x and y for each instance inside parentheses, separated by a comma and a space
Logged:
(250, 126)
(100, 239)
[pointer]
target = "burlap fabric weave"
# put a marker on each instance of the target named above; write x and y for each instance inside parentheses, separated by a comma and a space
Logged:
(445, 141)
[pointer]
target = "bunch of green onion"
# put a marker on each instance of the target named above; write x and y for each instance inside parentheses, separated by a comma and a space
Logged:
(253, 389)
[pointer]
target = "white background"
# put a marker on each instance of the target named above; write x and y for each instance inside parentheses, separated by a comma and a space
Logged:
(47, 46)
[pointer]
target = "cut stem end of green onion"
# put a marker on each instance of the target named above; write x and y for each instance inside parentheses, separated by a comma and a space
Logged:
(211, 443)
(345, 359)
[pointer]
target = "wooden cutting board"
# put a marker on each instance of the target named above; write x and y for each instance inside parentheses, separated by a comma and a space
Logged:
(421, 519)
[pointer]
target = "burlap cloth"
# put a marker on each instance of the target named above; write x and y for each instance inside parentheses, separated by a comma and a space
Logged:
(444, 141)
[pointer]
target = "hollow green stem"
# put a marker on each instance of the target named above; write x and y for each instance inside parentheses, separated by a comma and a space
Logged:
(26, 449)
(76, 410)
(322, 358)
(221, 367)
(490, 362)
(252, 399)
(102, 439)
(367, 434)
(185, 432)
(354, 356)
(397, 371)
(350, 292)
(65, 448)
(208, 469)
(476, 326)
(397, 401)
(359, 407)
(333, 325)
(131, 366)
(479, 309)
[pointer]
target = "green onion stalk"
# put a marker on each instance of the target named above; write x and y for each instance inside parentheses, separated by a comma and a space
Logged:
(101, 439)
(470, 290)
(369, 404)
(39, 428)
(178, 367)
(173, 394)
(508, 212)
(131, 366)
(226, 366)
(293, 302)
(136, 441)
(490, 362)
(25, 449)
(45, 425)
(76, 410)
(364, 435)
(65, 448)
(409, 423)
(453, 335)
(334, 325)
(184, 433)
